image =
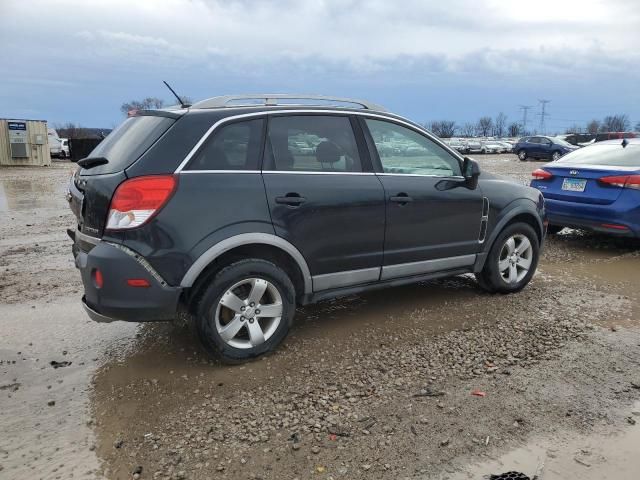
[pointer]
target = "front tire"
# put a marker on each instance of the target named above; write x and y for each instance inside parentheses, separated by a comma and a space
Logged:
(246, 310)
(522, 155)
(512, 260)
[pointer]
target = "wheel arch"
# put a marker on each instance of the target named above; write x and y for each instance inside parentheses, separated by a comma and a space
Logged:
(525, 213)
(249, 245)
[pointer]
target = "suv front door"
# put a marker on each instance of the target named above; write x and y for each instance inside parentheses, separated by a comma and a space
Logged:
(428, 228)
(324, 197)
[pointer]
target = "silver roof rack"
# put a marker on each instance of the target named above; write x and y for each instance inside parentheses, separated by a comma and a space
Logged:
(271, 100)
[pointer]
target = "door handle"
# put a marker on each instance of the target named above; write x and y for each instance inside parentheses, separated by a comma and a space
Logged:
(401, 198)
(291, 199)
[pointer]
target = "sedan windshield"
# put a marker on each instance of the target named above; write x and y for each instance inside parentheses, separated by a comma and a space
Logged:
(609, 155)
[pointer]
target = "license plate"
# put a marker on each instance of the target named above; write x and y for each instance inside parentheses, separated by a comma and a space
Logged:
(574, 184)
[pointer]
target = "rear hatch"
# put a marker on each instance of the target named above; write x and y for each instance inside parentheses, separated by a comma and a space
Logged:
(581, 184)
(91, 188)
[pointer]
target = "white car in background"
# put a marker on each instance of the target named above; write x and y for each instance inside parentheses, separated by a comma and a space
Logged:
(492, 146)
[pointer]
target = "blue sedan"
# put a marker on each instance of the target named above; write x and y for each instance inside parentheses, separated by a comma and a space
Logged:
(594, 188)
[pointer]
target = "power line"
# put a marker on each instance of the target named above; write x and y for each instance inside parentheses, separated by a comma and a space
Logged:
(543, 113)
(525, 109)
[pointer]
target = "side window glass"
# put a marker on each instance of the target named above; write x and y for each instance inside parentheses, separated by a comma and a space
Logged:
(313, 143)
(402, 150)
(235, 146)
(534, 140)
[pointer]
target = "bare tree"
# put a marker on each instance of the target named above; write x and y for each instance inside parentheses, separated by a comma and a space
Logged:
(637, 128)
(575, 128)
(593, 127)
(148, 103)
(468, 130)
(615, 123)
(484, 126)
(443, 128)
(514, 129)
(500, 125)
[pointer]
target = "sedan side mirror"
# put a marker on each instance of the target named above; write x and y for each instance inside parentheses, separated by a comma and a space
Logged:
(470, 172)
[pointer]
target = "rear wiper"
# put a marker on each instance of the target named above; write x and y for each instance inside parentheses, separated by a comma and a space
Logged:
(90, 162)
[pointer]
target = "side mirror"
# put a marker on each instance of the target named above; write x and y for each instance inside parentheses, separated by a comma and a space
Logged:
(470, 172)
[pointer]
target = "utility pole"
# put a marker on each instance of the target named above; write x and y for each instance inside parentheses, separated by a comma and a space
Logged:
(543, 113)
(525, 109)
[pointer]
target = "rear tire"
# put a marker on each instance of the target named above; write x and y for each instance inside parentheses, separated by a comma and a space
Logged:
(522, 155)
(246, 310)
(512, 260)
(555, 156)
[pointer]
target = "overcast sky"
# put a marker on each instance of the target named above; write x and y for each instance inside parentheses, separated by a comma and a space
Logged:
(79, 60)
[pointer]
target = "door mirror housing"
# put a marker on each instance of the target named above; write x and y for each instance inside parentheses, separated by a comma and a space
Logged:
(470, 172)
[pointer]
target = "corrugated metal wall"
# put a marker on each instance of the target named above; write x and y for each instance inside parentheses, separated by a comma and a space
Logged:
(39, 155)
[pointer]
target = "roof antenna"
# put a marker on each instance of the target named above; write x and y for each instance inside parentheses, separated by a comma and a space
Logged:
(182, 104)
(625, 142)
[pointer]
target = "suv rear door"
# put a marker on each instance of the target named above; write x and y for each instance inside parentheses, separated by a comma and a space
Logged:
(428, 229)
(324, 198)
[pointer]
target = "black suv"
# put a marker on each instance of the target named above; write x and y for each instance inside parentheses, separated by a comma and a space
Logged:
(238, 209)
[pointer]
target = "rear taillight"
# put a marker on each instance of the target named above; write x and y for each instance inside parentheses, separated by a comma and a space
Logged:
(541, 174)
(138, 199)
(622, 181)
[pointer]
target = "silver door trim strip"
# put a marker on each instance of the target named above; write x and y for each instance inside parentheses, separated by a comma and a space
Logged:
(452, 177)
(346, 278)
(220, 171)
(295, 172)
(426, 266)
(264, 113)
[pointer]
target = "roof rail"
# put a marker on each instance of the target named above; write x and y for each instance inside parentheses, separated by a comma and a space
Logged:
(271, 99)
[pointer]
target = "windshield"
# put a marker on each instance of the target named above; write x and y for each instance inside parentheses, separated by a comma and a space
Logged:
(609, 155)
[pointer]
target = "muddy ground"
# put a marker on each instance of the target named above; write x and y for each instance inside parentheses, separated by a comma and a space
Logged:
(372, 386)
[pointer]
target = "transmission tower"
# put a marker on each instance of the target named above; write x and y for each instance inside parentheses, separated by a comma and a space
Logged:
(543, 113)
(525, 109)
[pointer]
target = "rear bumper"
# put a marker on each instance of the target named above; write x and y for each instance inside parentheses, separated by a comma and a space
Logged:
(116, 300)
(596, 218)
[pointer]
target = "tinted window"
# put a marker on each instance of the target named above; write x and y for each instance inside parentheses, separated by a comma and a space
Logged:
(613, 155)
(313, 143)
(534, 140)
(128, 142)
(403, 150)
(235, 146)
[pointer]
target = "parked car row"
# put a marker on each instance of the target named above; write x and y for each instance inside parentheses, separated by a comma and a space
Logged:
(480, 145)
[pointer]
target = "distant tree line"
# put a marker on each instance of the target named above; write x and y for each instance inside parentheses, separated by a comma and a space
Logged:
(72, 131)
(487, 126)
(611, 123)
(484, 127)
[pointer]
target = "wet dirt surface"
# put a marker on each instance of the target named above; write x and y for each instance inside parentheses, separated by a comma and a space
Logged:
(373, 386)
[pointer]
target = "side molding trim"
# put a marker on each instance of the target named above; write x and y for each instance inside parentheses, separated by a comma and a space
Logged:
(345, 279)
(426, 266)
(245, 239)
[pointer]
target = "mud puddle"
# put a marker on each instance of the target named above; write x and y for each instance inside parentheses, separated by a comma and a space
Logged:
(566, 456)
(43, 405)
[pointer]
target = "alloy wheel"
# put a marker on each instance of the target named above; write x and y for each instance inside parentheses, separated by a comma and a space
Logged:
(248, 313)
(515, 258)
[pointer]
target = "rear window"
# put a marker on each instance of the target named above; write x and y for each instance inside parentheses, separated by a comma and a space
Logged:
(233, 147)
(609, 155)
(128, 142)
